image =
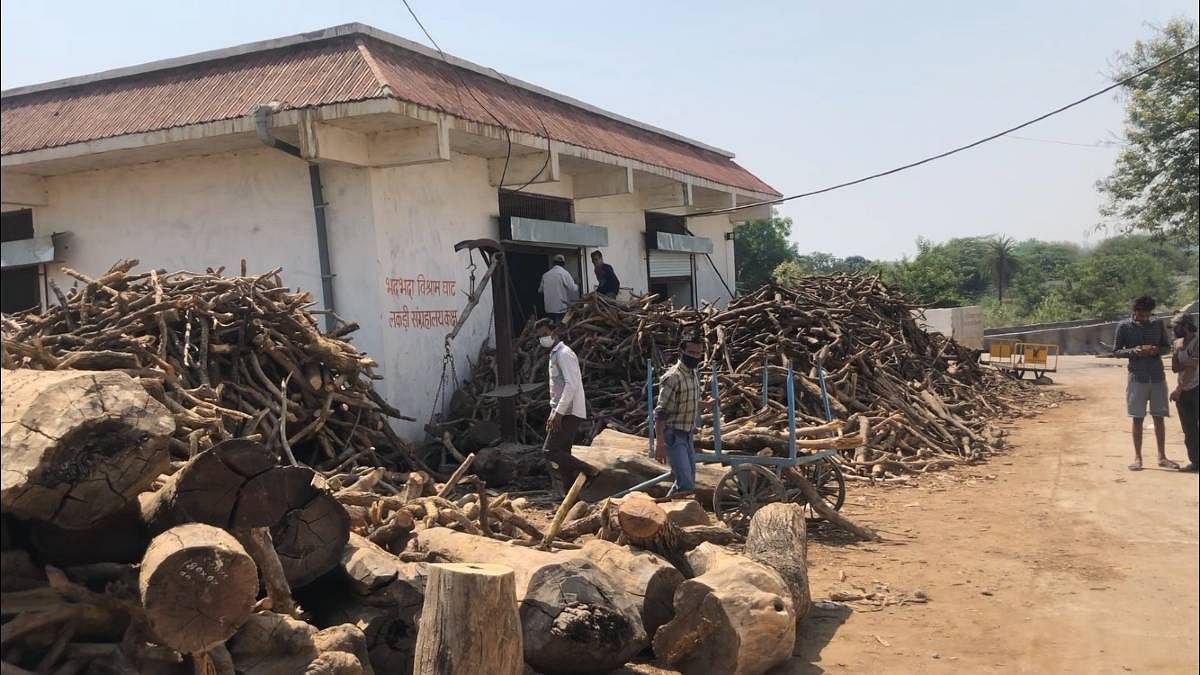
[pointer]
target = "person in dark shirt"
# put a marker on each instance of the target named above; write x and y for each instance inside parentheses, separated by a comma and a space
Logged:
(607, 282)
(1144, 341)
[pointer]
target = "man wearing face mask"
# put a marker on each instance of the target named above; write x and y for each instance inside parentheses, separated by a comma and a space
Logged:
(1186, 362)
(675, 416)
(568, 406)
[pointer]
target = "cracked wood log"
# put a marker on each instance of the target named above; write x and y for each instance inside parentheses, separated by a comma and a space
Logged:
(469, 623)
(269, 643)
(197, 586)
(736, 616)
(647, 579)
(237, 485)
(78, 445)
(573, 616)
(778, 538)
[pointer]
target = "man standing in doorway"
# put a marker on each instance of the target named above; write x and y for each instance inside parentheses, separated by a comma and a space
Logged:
(1186, 362)
(568, 405)
(675, 416)
(607, 282)
(558, 289)
(1144, 341)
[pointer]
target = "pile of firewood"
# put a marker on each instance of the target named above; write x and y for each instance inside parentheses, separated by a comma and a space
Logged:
(919, 399)
(118, 560)
(229, 356)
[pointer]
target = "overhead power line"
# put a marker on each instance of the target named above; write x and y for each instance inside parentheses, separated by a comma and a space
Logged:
(968, 146)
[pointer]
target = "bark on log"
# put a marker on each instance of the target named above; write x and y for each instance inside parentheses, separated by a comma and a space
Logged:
(573, 616)
(237, 485)
(469, 623)
(778, 538)
(275, 644)
(736, 616)
(78, 445)
(197, 585)
(649, 580)
(686, 512)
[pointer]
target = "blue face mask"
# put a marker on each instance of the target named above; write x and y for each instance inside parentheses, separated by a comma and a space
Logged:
(689, 360)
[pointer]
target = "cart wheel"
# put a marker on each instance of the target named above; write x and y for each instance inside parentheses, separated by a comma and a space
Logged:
(742, 491)
(827, 477)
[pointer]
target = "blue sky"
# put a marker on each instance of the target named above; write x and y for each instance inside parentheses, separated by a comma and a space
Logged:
(805, 93)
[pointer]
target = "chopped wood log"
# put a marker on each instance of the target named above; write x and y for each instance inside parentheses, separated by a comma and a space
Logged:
(620, 462)
(573, 617)
(561, 514)
(257, 542)
(826, 511)
(469, 623)
(197, 585)
(237, 484)
(643, 576)
(778, 538)
(275, 644)
(686, 512)
(78, 445)
(736, 616)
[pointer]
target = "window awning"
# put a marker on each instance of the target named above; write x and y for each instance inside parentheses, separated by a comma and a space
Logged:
(680, 243)
(553, 232)
(29, 252)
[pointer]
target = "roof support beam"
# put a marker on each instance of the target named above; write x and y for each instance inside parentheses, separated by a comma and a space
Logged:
(603, 183)
(762, 212)
(707, 199)
(22, 189)
(668, 196)
(325, 143)
(414, 145)
(539, 167)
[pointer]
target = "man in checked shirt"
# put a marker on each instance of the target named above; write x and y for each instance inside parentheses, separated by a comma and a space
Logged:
(1144, 341)
(675, 416)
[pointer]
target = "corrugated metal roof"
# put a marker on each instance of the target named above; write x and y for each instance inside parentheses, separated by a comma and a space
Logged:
(334, 70)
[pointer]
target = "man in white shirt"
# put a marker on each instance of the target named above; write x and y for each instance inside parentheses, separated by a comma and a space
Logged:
(568, 405)
(558, 289)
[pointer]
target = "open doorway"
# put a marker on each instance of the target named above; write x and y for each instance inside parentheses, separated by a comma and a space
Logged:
(527, 262)
(670, 275)
(20, 286)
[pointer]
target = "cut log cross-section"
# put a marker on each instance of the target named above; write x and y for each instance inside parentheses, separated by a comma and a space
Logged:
(736, 616)
(469, 623)
(237, 485)
(197, 586)
(78, 445)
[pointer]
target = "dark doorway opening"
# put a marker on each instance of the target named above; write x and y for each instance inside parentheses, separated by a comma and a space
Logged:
(528, 262)
(670, 275)
(19, 287)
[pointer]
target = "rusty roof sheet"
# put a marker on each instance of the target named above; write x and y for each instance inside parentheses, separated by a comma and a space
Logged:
(335, 70)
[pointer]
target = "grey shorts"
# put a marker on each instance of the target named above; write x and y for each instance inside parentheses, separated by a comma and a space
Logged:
(1139, 394)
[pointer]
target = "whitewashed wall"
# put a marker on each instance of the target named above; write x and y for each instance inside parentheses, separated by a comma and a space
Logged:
(708, 285)
(626, 223)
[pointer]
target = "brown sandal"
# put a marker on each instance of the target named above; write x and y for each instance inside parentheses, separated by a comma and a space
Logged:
(1165, 463)
(1136, 466)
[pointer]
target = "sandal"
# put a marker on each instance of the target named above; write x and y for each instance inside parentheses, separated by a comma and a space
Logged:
(1165, 463)
(1136, 466)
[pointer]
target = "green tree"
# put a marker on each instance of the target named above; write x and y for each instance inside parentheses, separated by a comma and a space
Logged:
(1155, 186)
(942, 275)
(999, 262)
(759, 246)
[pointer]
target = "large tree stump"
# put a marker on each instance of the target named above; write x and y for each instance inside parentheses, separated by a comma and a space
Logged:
(647, 579)
(573, 616)
(778, 538)
(469, 623)
(237, 485)
(736, 616)
(78, 445)
(197, 585)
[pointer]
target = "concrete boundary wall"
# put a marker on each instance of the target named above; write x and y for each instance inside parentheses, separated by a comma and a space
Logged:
(1079, 339)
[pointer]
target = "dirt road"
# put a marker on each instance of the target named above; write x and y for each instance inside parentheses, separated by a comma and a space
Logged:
(1052, 559)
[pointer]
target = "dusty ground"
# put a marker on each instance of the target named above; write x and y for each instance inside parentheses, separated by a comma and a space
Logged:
(1052, 559)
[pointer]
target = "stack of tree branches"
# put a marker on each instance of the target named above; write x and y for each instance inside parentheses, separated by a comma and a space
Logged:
(228, 355)
(918, 400)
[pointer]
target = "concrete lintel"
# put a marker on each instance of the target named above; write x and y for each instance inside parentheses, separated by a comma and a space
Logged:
(414, 145)
(707, 199)
(539, 167)
(22, 189)
(603, 183)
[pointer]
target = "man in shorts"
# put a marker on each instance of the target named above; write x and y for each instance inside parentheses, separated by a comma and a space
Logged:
(1144, 341)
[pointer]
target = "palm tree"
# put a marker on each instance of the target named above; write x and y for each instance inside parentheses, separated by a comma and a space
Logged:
(999, 262)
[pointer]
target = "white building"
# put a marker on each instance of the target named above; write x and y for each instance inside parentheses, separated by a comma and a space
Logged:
(412, 153)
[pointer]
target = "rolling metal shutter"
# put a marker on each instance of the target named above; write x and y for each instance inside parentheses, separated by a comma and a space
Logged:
(663, 264)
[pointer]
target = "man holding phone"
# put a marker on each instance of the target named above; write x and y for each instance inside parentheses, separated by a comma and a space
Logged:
(1143, 341)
